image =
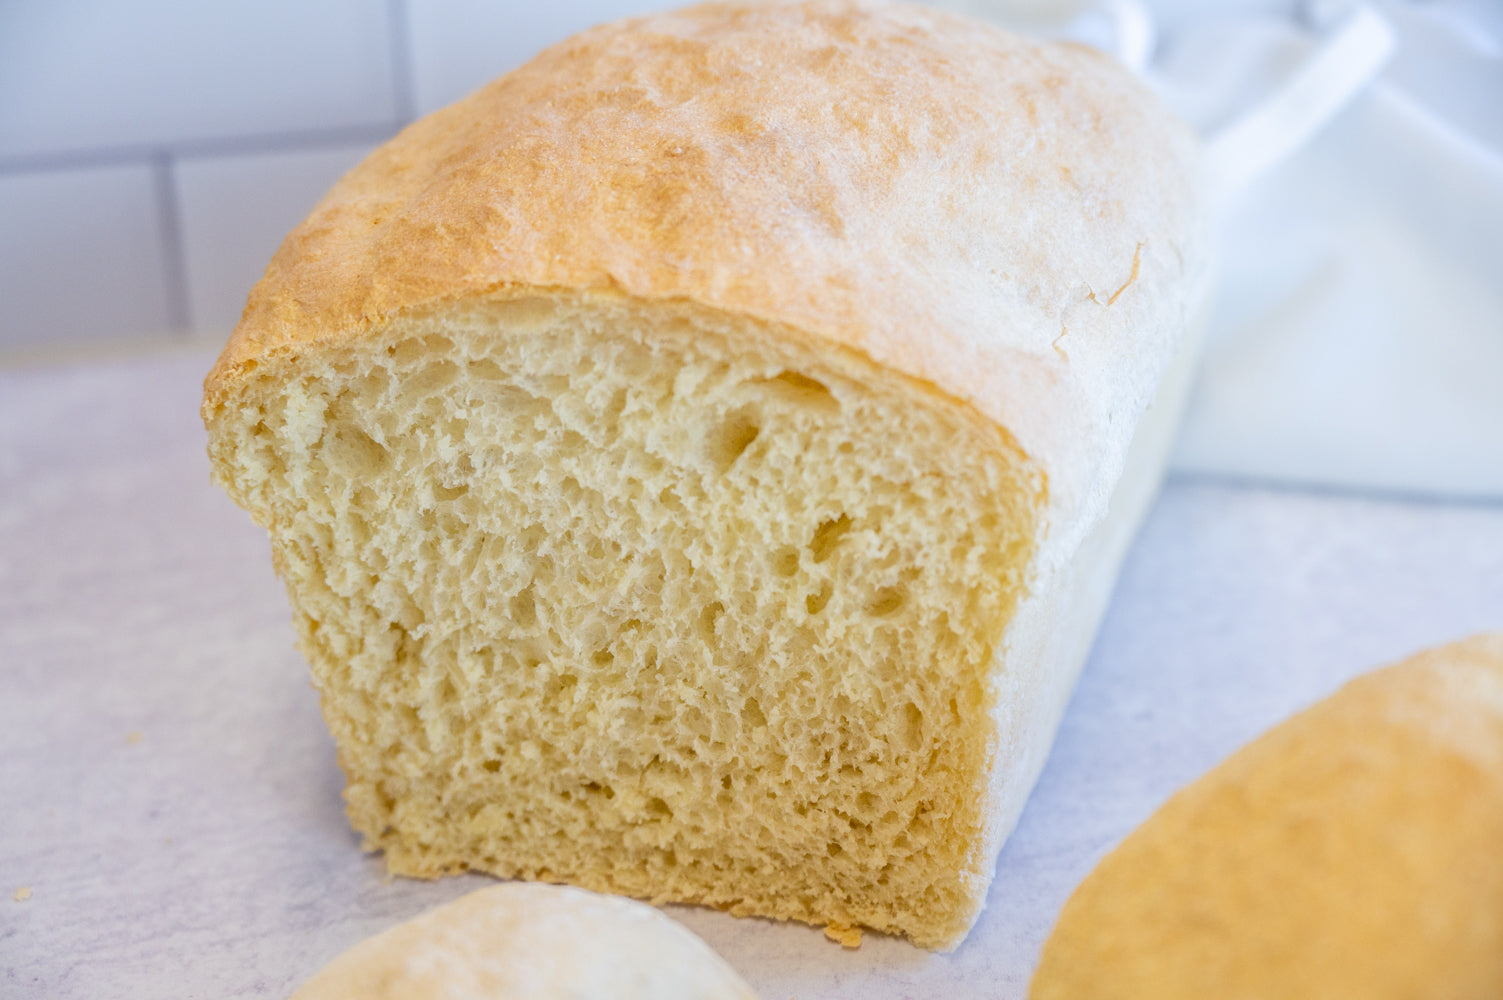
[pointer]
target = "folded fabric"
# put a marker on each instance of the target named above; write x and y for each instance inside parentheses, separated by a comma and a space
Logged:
(1357, 339)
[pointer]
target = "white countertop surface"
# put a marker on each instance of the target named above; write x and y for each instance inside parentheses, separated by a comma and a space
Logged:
(169, 795)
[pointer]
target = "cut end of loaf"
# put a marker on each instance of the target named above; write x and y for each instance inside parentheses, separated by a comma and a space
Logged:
(647, 600)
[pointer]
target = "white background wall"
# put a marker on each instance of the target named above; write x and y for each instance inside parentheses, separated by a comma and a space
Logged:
(153, 154)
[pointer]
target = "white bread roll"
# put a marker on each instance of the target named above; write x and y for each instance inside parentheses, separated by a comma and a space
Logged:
(1355, 851)
(527, 941)
(699, 460)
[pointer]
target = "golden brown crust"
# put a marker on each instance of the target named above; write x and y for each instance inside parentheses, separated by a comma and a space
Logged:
(1010, 220)
(1354, 851)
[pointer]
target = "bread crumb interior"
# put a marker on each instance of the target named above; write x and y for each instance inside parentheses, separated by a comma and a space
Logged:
(627, 598)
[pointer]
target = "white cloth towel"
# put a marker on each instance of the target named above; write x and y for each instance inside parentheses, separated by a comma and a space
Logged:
(1357, 338)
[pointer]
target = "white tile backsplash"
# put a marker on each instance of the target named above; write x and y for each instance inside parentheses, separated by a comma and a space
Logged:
(82, 258)
(79, 75)
(210, 128)
(459, 45)
(235, 211)
(153, 154)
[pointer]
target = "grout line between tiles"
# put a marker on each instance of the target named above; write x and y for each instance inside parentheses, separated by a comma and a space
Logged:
(1249, 482)
(174, 259)
(403, 86)
(241, 145)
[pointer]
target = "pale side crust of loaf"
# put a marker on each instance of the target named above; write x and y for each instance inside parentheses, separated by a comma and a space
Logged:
(1008, 224)
(1356, 850)
(1051, 634)
(526, 941)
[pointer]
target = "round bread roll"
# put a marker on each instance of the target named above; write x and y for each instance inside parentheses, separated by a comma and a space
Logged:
(1354, 851)
(531, 941)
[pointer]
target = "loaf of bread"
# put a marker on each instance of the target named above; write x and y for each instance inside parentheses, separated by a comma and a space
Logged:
(698, 460)
(1355, 851)
(524, 941)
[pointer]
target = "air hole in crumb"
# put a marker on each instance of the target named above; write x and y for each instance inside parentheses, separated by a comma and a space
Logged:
(492, 766)
(731, 439)
(815, 603)
(751, 714)
(803, 390)
(516, 401)
(802, 382)
(442, 492)
(913, 726)
(657, 807)
(615, 407)
(885, 602)
(725, 782)
(431, 379)
(785, 561)
(353, 453)
(634, 360)
(523, 611)
(531, 311)
(834, 849)
(486, 370)
(708, 619)
(602, 657)
(692, 719)
(974, 694)
(670, 501)
(827, 536)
